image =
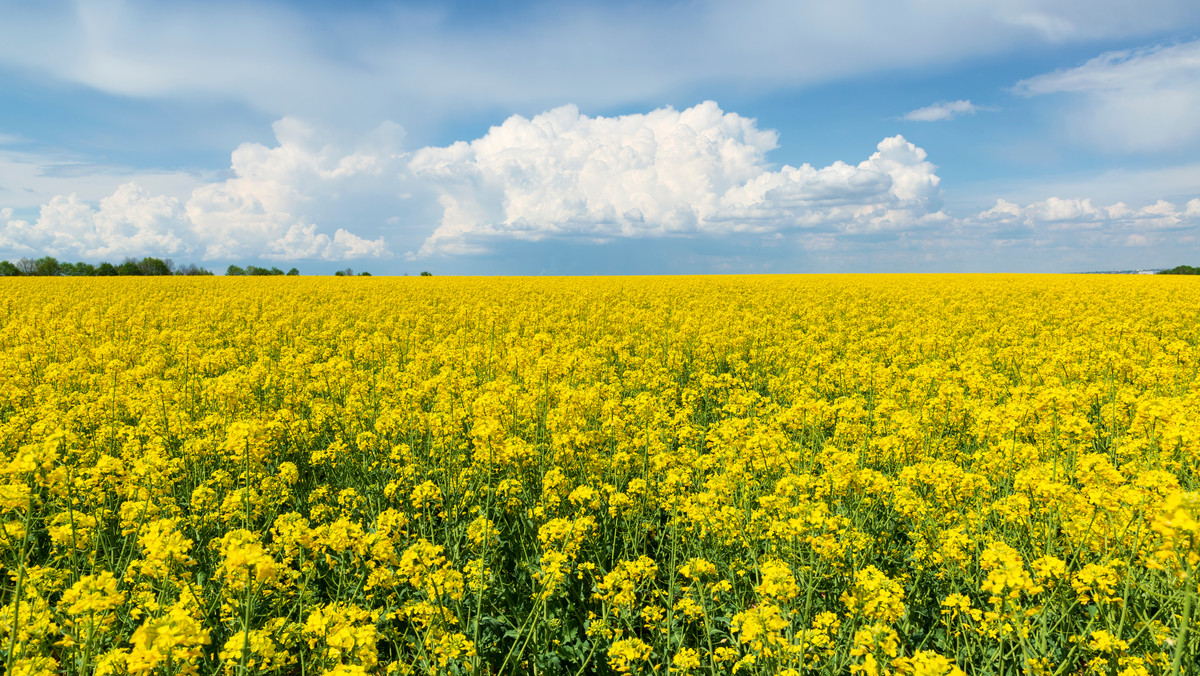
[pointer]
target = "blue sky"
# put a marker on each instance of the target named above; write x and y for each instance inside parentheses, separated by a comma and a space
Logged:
(604, 137)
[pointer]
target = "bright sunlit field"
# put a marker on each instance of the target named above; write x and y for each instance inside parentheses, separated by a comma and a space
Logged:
(708, 475)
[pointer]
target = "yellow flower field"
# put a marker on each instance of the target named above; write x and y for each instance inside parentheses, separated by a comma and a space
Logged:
(713, 475)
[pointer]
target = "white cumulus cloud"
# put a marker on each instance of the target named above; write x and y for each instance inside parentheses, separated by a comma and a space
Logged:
(654, 184)
(1140, 100)
(129, 220)
(1071, 222)
(666, 172)
(942, 110)
(262, 208)
(263, 211)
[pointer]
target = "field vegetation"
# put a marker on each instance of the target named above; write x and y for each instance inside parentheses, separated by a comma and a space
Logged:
(755, 475)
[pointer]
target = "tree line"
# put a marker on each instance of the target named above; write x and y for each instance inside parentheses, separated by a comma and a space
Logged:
(1180, 270)
(49, 266)
(255, 271)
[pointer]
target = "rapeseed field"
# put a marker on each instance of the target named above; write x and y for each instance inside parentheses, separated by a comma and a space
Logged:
(871, 475)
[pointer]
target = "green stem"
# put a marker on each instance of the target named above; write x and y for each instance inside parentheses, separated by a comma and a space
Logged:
(12, 641)
(1181, 637)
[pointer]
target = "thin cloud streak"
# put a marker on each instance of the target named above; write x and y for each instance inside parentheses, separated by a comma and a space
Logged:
(942, 110)
(1142, 100)
(408, 64)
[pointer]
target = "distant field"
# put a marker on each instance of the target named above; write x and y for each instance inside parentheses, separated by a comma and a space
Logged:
(709, 475)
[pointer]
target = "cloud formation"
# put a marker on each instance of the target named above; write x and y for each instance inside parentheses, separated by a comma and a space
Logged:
(29, 179)
(413, 61)
(1141, 100)
(942, 110)
(698, 181)
(1078, 225)
(261, 211)
(700, 171)
(1056, 213)
(265, 207)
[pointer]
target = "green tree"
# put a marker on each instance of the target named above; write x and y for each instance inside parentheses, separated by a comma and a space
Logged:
(154, 266)
(293, 273)
(256, 271)
(47, 266)
(426, 274)
(129, 268)
(191, 269)
(7, 269)
(234, 271)
(1181, 270)
(79, 269)
(106, 269)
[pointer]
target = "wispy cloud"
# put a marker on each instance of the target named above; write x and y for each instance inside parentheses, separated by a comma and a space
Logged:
(28, 178)
(943, 110)
(1142, 100)
(406, 63)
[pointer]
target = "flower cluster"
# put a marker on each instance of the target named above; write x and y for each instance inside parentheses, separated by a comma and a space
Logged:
(731, 475)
